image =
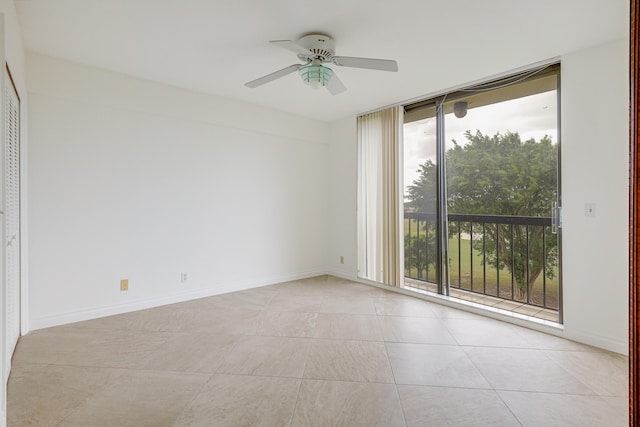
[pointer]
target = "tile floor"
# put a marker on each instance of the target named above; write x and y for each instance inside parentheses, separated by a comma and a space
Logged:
(315, 352)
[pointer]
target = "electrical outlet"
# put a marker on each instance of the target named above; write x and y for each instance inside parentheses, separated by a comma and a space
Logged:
(124, 284)
(183, 277)
(341, 259)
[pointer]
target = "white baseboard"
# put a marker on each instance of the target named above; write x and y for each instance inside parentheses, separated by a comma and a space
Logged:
(595, 340)
(113, 309)
(343, 274)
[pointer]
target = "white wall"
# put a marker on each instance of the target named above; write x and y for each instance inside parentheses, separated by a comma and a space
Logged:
(342, 190)
(594, 151)
(595, 169)
(138, 180)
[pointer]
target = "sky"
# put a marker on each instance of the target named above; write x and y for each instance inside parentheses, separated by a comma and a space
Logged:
(532, 117)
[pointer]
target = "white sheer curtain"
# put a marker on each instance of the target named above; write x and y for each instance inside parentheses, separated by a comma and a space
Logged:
(380, 196)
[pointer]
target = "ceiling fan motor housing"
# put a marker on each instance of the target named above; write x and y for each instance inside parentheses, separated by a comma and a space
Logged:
(322, 47)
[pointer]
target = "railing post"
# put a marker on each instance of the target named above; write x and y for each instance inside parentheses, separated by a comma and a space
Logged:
(526, 284)
(544, 267)
(459, 259)
(498, 260)
(484, 258)
(471, 256)
(407, 253)
(513, 263)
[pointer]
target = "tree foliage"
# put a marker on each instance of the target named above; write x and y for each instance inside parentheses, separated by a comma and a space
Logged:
(421, 194)
(499, 175)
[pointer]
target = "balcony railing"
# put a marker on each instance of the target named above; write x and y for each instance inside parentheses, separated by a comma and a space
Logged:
(509, 257)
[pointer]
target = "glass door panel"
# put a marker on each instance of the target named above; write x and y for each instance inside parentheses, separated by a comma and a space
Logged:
(420, 198)
(502, 182)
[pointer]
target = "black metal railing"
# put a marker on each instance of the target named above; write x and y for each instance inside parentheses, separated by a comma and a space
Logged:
(509, 257)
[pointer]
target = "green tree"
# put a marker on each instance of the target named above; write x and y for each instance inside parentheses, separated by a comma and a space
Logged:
(500, 175)
(420, 246)
(422, 194)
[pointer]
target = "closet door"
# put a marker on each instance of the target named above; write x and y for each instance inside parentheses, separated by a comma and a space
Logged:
(12, 212)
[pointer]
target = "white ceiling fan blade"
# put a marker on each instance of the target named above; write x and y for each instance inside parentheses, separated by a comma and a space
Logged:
(369, 63)
(335, 85)
(271, 77)
(291, 46)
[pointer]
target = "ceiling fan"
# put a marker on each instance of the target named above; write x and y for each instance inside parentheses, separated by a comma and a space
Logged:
(315, 50)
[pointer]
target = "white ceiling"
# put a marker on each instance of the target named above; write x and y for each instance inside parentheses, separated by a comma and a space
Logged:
(215, 46)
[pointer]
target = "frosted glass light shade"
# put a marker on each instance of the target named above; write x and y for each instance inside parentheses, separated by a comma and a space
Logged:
(316, 76)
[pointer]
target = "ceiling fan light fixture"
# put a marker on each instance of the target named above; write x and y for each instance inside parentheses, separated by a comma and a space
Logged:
(316, 76)
(315, 50)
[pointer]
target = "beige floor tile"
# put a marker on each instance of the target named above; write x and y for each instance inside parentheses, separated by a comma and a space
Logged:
(484, 332)
(294, 302)
(527, 310)
(312, 292)
(43, 395)
(415, 330)
(543, 341)
(441, 406)
(544, 409)
(219, 321)
(89, 347)
(333, 403)
(268, 356)
(508, 305)
(404, 307)
(456, 293)
(548, 315)
(606, 373)
(169, 318)
(347, 305)
(350, 289)
(419, 284)
(138, 399)
(444, 312)
(249, 300)
(435, 365)
(318, 280)
(524, 370)
(147, 367)
(238, 400)
(489, 300)
(363, 361)
(287, 324)
(190, 353)
(469, 296)
(312, 289)
(619, 405)
(362, 327)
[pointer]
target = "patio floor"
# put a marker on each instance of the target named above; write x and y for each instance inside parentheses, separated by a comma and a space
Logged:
(488, 300)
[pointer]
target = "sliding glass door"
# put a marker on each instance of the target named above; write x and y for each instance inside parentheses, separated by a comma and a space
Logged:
(481, 170)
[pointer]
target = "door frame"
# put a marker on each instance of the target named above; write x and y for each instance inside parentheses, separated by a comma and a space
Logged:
(19, 286)
(634, 216)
